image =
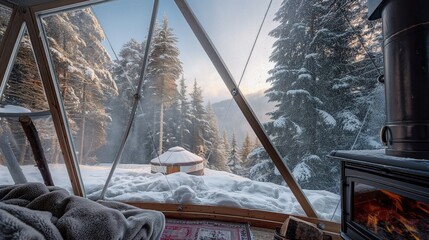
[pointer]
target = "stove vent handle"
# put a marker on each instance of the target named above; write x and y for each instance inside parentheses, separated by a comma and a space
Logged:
(385, 135)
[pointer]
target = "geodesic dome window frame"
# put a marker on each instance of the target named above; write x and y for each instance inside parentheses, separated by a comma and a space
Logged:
(32, 13)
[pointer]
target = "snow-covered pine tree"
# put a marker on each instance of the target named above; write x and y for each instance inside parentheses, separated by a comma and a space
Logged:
(200, 126)
(313, 56)
(248, 157)
(129, 63)
(126, 72)
(353, 90)
(225, 142)
(245, 149)
(261, 168)
(256, 143)
(361, 97)
(369, 56)
(159, 91)
(24, 86)
(369, 65)
(164, 68)
(217, 155)
(185, 121)
(234, 161)
(293, 84)
(80, 62)
(171, 124)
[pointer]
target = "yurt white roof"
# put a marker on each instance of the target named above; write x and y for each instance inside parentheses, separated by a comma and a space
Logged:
(177, 156)
(95, 85)
(177, 159)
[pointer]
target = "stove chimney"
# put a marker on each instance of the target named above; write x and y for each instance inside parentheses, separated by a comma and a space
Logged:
(406, 63)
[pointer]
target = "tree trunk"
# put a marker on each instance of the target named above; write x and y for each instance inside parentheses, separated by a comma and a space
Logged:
(82, 132)
(39, 156)
(161, 127)
(90, 146)
(181, 126)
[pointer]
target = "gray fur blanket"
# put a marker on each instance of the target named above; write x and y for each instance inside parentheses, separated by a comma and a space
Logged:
(34, 211)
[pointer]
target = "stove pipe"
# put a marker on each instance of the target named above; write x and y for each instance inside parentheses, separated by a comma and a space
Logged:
(406, 63)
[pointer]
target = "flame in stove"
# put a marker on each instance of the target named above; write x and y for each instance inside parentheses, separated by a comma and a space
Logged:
(391, 216)
(423, 207)
(373, 222)
(409, 227)
(396, 199)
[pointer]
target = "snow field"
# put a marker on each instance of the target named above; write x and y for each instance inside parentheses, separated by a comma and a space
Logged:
(135, 183)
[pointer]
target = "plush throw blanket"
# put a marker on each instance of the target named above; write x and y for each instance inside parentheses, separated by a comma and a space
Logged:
(34, 211)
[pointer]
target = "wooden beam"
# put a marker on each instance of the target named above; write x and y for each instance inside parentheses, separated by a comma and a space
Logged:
(6, 3)
(62, 5)
(12, 37)
(250, 116)
(54, 100)
(256, 218)
(49, 6)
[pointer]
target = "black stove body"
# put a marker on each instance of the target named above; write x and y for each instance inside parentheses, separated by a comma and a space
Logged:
(383, 197)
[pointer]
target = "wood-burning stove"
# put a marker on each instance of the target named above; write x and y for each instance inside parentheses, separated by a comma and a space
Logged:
(383, 197)
(385, 194)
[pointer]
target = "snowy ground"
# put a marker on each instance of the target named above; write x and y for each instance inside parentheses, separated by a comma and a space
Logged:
(136, 183)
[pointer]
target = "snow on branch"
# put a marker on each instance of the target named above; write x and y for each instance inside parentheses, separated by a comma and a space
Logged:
(349, 121)
(327, 118)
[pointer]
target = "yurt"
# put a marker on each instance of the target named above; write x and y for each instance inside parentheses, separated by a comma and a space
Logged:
(178, 159)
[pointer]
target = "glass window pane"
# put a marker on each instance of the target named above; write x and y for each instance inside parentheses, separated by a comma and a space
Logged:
(97, 78)
(199, 120)
(17, 163)
(24, 87)
(310, 79)
(24, 95)
(324, 85)
(52, 151)
(11, 154)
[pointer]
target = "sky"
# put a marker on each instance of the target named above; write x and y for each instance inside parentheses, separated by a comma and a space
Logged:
(231, 25)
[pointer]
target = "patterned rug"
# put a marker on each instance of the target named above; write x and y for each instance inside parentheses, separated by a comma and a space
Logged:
(176, 229)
